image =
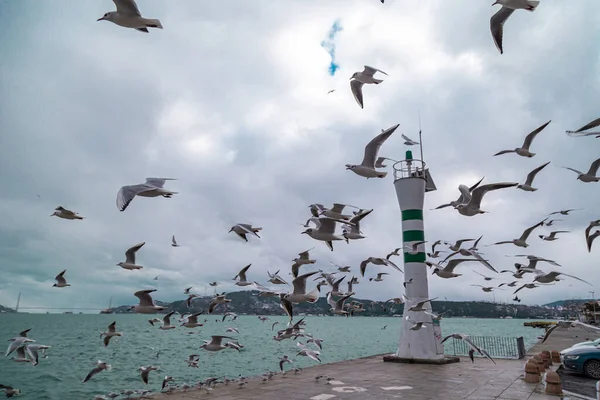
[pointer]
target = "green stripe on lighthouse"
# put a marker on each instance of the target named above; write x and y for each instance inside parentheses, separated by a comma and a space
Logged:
(408, 215)
(413, 236)
(414, 258)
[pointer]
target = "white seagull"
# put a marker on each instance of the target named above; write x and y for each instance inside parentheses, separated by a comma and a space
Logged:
(351, 231)
(299, 295)
(153, 187)
(590, 239)
(408, 141)
(472, 203)
(63, 213)
(60, 280)
(447, 272)
(460, 199)
(589, 176)
(523, 151)
(166, 325)
(303, 259)
(146, 304)
(379, 277)
(508, 7)
(242, 277)
(101, 366)
(174, 242)
(128, 16)
(377, 261)
(552, 236)
(367, 168)
(129, 262)
(522, 241)
(145, 371)
(242, 229)
(324, 230)
(215, 343)
(112, 331)
(580, 132)
(358, 79)
(527, 186)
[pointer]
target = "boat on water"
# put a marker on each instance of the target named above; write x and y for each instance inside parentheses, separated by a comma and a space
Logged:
(109, 309)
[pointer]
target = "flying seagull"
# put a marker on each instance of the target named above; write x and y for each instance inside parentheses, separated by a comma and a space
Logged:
(101, 366)
(580, 132)
(128, 16)
(589, 176)
(242, 229)
(60, 280)
(471, 205)
(174, 242)
(153, 187)
(523, 151)
(63, 213)
(461, 199)
(408, 141)
(552, 236)
(522, 240)
(367, 167)
(508, 7)
(358, 79)
(324, 230)
(129, 262)
(112, 331)
(472, 347)
(527, 186)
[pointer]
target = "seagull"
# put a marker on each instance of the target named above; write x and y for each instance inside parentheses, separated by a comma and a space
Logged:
(508, 7)
(526, 286)
(414, 247)
(377, 261)
(63, 213)
(275, 279)
(511, 284)
(486, 289)
(242, 275)
(331, 91)
(219, 299)
(408, 141)
(552, 221)
(299, 295)
(153, 187)
(379, 277)
(590, 239)
(522, 241)
(552, 277)
(112, 331)
(567, 325)
(303, 259)
(379, 163)
(523, 151)
(552, 236)
(166, 325)
(367, 168)
(565, 212)
(579, 132)
(337, 306)
(215, 343)
(283, 360)
(358, 79)
(130, 257)
(461, 199)
(324, 230)
(21, 356)
(60, 280)
(335, 212)
(145, 371)
(17, 342)
(530, 177)
(487, 278)
(128, 16)
(592, 225)
(9, 391)
(232, 330)
(351, 231)
(472, 253)
(32, 351)
(589, 176)
(316, 341)
(447, 272)
(474, 247)
(473, 347)
(341, 268)
(457, 246)
(174, 242)
(242, 229)
(305, 351)
(192, 321)
(335, 286)
(415, 325)
(101, 366)
(146, 304)
(419, 306)
(472, 203)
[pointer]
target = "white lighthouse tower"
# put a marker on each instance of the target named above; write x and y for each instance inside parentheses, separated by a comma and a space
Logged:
(412, 180)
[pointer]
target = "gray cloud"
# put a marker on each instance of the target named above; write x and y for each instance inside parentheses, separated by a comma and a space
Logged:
(230, 98)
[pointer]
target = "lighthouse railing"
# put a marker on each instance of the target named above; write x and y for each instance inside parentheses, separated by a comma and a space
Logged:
(409, 169)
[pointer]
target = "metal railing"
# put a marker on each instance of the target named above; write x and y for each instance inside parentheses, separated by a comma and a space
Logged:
(496, 346)
(409, 169)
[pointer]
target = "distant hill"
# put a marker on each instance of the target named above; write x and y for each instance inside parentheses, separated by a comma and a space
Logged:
(6, 309)
(566, 303)
(250, 303)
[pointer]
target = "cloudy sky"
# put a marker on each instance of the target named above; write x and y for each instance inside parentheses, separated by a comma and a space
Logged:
(231, 99)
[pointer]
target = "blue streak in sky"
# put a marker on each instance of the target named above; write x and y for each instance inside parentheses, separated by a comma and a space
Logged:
(329, 45)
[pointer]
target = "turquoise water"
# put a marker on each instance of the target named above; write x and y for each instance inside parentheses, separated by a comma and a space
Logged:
(76, 346)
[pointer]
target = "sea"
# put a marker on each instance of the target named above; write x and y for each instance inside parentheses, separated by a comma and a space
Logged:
(76, 346)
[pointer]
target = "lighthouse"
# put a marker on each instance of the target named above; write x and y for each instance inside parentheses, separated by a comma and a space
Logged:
(411, 181)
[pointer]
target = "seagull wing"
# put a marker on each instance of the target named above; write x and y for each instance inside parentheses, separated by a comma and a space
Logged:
(574, 277)
(242, 273)
(130, 253)
(497, 25)
(370, 71)
(532, 174)
(591, 125)
(112, 327)
(372, 148)
(127, 7)
(529, 138)
(60, 277)
(127, 193)
(158, 182)
(549, 331)
(477, 194)
(299, 283)
(173, 240)
(476, 185)
(145, 297)
(92, 373)
(594, 168)
(503, 152)
(574, 170)
(528, 231)
(356, 88)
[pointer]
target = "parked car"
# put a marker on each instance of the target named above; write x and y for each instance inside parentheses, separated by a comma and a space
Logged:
(590, 343)
(582, 359)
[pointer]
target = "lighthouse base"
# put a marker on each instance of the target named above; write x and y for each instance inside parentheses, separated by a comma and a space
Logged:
(436, 361)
